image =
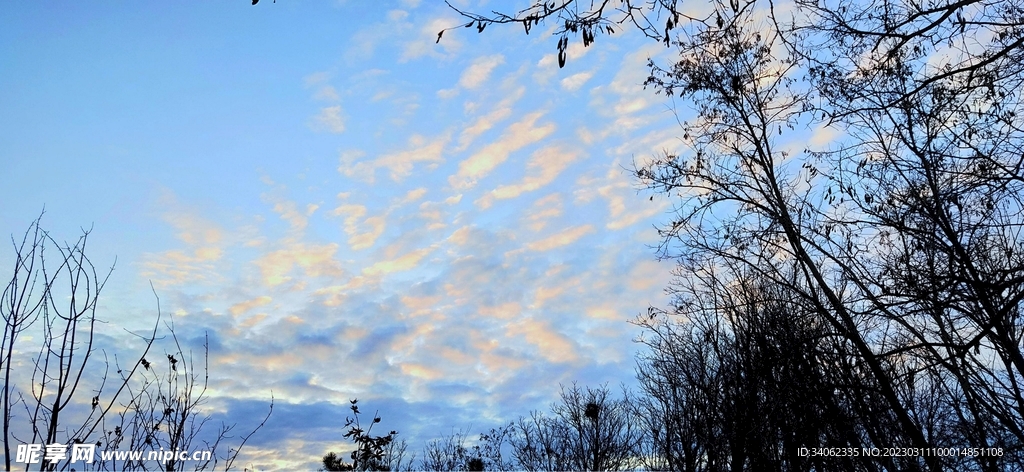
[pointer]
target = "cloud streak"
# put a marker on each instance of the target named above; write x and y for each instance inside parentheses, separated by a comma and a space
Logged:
(517, 136)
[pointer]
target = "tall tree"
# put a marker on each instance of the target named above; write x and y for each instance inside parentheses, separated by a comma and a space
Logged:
(903, 238)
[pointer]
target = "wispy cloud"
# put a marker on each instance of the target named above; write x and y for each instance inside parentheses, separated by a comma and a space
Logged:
(312, 260)
(625, 208)
(405, 262)
(316, 78)
(399, 164)
(330, 120)
(517, 136)
(242, 307)
(362, 230)
(542, 168)
(575, 81)
(544, 210)
(204, 242)
(480, 70)
(290, 213)
(624, 100)
(413, 195)
(560, 239)
(500, 112)
(327, 93)
(553, 346)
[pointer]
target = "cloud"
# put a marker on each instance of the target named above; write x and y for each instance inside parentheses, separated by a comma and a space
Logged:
(575, 81)
(334, 295)
(296, 219)
(316, 78)
(277, 267)
(176, 267)
(648, 276)
(505, 311)
(823, 136)
(239, 308)
(324, 91)
(413, 195)
(327, 93)
(397, 15)
(630, 97)
(543, 210)
(460, 236)
(329, 120)
(421, 306)
(553, 346)
(400, 164)
(404, 263)
(421, 371)
(369, 238)
(561, 239)
(517, 136)
(194, 230)
(362, 234)
(431, 212)
(543, 167)
(480, 70)
(448, 93)
(348, 159)
(544, 294)
(625, 208)
(501, 112)
(204, 242)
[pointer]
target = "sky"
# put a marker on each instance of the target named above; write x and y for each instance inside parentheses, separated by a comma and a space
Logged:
(343, 207)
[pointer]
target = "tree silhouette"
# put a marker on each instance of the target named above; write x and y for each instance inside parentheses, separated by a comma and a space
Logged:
(901, 242)
(587, 429)
(371, 452)
(451, 452)
(54, 306)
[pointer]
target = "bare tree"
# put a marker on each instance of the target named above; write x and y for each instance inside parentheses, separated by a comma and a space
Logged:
(452, 452)
(165, 413)
(68, 398)
(538, 443)
(604, 433)
(56, 304)
(587, 429)
(903, 240)
(741, 377)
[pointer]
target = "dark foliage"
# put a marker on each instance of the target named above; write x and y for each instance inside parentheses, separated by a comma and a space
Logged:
(381, 452)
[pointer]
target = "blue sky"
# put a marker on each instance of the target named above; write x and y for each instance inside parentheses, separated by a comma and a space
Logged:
(445, 231)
